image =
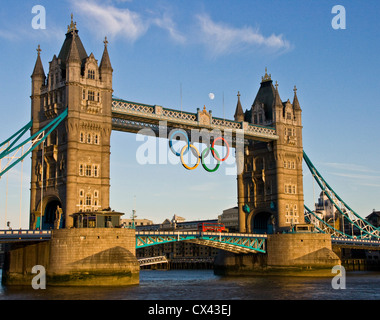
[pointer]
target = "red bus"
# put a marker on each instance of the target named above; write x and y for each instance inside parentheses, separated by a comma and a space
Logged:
(211, 227)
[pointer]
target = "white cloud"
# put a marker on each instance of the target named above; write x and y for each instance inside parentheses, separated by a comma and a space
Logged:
(221, 38)
(112, 21)
(360, 174)
(166, 22)
(119, 22)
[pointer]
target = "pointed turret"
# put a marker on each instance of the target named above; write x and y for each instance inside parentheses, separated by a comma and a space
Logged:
(277, 100)
(38, 67)
(296, 104)
(105, 63)
(239, 113)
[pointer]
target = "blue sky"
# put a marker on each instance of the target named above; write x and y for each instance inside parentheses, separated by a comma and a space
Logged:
(157, 47)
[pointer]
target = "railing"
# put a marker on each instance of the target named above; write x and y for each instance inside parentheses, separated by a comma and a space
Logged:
(24, 235)
(152, 260)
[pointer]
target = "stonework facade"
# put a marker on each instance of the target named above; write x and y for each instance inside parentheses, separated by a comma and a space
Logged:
(270, 188)
(71, 172)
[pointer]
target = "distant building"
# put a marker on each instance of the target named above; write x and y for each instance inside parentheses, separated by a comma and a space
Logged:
(125, 223)
(230, 218)
(324, 208)
(177, 219)
(374, 218)
(180, 254)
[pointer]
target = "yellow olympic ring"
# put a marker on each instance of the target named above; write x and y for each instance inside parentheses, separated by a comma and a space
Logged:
(198, 157)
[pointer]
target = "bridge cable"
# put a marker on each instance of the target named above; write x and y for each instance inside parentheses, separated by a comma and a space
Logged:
(355, 220)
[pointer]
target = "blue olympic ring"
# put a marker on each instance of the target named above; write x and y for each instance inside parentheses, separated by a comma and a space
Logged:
(171, 142)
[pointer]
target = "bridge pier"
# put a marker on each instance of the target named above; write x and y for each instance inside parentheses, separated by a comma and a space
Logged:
(76, 257)
(296, 254)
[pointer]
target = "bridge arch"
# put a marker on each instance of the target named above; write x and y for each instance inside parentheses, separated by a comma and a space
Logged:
(261, 222)
(52, 217)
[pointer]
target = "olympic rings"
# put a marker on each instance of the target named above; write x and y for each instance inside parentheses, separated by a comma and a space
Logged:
(200, 157)
(171, 142)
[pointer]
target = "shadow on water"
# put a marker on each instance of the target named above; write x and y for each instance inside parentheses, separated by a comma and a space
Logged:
(204, 285)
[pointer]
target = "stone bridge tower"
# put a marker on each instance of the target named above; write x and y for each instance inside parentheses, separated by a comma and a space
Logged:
(270, 189)
(71, 172)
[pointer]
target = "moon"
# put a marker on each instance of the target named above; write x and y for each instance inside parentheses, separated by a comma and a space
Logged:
(211, 96)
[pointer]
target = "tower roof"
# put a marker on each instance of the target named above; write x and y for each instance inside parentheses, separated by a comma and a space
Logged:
(38, 67)
(71, 35)
(105, 63)
(239, 113)
(266, 95)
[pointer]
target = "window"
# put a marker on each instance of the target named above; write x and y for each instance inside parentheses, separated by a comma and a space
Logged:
(288, 116)
(88, 137)
(285, 164)
(88, 170)
(96, 170)
(91, 74)
(98, 96)
(96, 138)
(81, 169)
(81, 193)
(91, 95)
(96, 194)
(81, 137)
(88, 199)
(84, 94)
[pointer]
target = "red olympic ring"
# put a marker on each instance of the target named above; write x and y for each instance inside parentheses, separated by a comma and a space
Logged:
(213, 149)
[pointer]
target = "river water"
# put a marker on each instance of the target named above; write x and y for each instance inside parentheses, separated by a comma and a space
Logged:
(204, 285)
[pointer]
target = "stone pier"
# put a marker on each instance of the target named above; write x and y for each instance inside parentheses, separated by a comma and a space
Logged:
(77, 257)
(295, 254)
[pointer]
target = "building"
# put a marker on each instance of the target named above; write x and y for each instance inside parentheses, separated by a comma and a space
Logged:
(179, 254)
(374, 218)
(270, 185)
(230, 218)
(128, 223)
(70, 172)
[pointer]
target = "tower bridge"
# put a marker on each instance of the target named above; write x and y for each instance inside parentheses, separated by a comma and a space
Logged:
(73, 115)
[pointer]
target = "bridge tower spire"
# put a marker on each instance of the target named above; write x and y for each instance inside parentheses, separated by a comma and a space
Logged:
(75, 166)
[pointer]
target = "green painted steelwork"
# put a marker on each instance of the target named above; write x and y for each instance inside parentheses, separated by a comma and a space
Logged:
(366, 229)
(34, 140)
(231, 241)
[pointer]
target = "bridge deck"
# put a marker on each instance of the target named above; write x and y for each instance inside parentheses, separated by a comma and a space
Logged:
(131, 117)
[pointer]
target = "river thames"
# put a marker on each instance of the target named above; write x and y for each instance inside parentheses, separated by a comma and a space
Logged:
(204, 285)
